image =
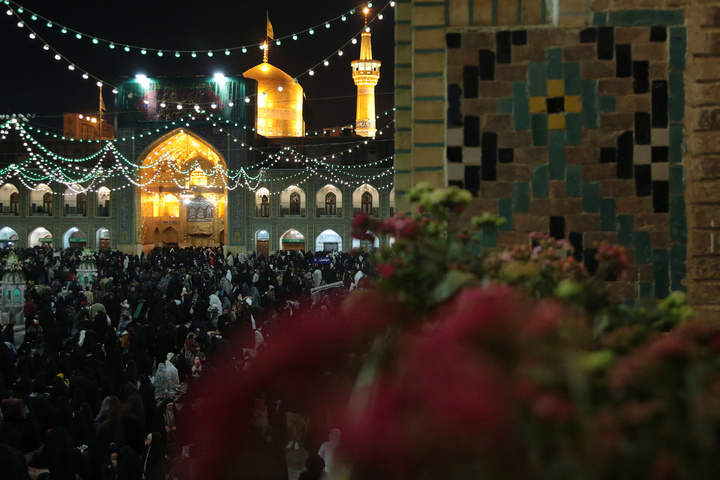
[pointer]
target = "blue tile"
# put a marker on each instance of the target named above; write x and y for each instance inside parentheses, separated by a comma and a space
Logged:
(676, 103)
(537, 74)
(678, 48)
(572, 78)
(677, 144)
(574, 127)
(678, 256)
(678, 222)
(555, 63)
(574, 182)
(540, 184)
(557, 155)
(645, 289)
(607, 104)
(489, 237)
(643, 250)
(626, 227)
(540, 129)
(521, 106)
(677, 179)
(629, 18)
(504, 105)
(608, 221)
(591, 118)
(661, 272)
(521, 197)
(591, 197)
(505, 210)
(600, 18)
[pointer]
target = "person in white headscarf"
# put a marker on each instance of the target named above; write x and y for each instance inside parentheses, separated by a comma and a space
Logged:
(328, 449)
(172, 371)
(161, 381)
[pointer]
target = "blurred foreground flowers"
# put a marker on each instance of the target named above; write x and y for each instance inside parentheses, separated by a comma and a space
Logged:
(480, 364)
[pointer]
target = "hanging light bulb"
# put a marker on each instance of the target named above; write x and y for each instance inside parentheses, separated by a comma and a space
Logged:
(95, 41)
(294, 37)
(244, 50)
(247, 99)
(71, 67)
(20, 24)
(340, 53)
(58, 57)
(127, 49)
(193, 54)
(159, 53)
(78, 36)
(354, 41)
(86, 76)
(46, 47)
(179, 106)
(227, 52)
(162, 105)
(280, 88)
(177, 54)
(311, 72)
(326, 63)
(112, 46)
(210, 54)
(32, 36)
(99, 83)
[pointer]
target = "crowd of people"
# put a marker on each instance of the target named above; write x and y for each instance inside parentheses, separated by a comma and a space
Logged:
(106, 375)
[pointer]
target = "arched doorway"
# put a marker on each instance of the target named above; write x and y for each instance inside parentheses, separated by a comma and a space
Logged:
(262, 242)
(328, 241)
(366, 199)
(39, 236)
(170, 237)
(367, 245)
(75, 238)
(9, 198)
(8, 237)
(181, 170)
(102, 239)
(292, 240)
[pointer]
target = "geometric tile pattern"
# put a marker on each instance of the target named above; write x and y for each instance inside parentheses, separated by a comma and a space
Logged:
(577, 133)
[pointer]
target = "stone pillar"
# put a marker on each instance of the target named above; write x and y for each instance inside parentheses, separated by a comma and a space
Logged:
(702, 157)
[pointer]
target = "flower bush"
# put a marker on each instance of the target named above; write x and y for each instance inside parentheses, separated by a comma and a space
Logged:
(497, 364)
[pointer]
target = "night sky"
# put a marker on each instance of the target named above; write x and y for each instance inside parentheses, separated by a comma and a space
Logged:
(33, 82)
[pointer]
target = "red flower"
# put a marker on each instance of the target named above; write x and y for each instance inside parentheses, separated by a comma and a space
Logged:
(385, 270)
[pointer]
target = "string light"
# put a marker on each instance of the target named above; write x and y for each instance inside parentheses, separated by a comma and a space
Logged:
(19, 10)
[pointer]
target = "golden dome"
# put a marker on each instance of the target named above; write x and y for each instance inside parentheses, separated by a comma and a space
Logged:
(279, 102)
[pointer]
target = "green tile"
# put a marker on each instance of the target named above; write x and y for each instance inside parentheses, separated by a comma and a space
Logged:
(645, 289)
(600, 18)
(607, 104)
(643, 252)
(591, 197)
(626, 225)
(540, 129)
(678, 47)
(505, 210)
(571, 74)
(573, 124)
(521, 106)
(677, 144)
(504, 105)
(521, 197)
(677, 179)
(608, 221)
(589, 103)
(554, 58)
(540, 183)
(537, 75)
(678, 222)
(574, 182)
(489, 237)
(661, 272)
(629, 18)
(676, 100)
(557, 155)
(678, 256)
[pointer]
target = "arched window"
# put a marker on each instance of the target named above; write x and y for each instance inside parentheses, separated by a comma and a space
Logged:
(294, 203)
(82, 204)
(198, 177)
(14, 202)
(47, 203)
(367, 203)
(265, 206)
(330, 204)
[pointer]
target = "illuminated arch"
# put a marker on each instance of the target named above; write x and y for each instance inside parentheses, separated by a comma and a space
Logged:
(292, 201)
(179, 165)
(39, 236)
(328, 240)
(9, 198)
(366, 198)
(329, 201)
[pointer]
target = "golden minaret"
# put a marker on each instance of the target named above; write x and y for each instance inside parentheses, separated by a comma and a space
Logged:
(365, 73)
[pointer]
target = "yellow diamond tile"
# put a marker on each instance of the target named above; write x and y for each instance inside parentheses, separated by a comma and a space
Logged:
(555, 88)
(556, 121)
(573, 104)
(538, 104)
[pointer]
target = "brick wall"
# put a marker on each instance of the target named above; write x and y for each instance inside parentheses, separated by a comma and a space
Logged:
(702, 158)
(564, 117)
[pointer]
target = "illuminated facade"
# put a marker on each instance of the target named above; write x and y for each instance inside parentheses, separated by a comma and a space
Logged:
(279, 101)
(365, 73)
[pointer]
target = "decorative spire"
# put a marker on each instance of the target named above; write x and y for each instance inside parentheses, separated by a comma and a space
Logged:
(366, 73)
(265, 52)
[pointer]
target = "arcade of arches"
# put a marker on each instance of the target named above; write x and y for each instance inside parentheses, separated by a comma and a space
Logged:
(183, 195)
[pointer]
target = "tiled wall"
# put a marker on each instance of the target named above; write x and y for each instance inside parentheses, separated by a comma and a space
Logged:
(577, 132)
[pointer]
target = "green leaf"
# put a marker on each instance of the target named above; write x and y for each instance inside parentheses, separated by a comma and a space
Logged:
(454, 280)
